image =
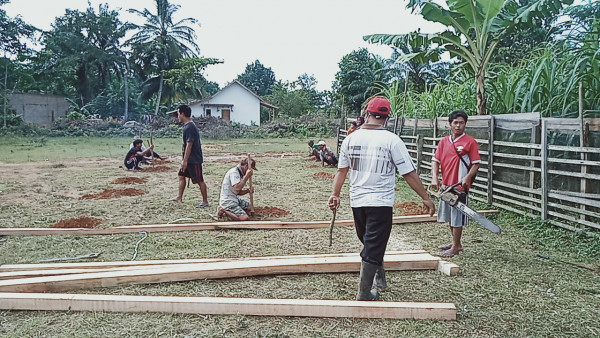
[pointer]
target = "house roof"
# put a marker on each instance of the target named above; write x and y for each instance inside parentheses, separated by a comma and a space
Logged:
(263, 102)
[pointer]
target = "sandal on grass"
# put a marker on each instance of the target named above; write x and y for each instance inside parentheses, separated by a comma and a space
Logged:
(446, 247)
(446, 254)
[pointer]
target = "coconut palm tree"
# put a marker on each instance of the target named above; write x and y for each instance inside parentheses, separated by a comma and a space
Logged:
(159, 43)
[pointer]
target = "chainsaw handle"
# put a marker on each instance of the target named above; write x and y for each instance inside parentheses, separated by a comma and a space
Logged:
(451, 187)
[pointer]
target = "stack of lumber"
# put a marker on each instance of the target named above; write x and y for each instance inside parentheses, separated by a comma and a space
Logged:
(22, 286)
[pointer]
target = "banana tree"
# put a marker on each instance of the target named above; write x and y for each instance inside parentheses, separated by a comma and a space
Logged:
(474, 28)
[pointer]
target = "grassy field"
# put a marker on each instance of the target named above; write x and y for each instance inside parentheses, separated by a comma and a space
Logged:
(504, 289)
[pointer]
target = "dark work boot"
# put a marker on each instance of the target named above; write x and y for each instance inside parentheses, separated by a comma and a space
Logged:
(379, 282)
(367, 273)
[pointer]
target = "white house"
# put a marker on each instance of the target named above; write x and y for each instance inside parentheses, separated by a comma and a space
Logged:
(234, 103)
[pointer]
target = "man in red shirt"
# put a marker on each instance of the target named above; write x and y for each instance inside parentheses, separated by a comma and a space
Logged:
(458, 157)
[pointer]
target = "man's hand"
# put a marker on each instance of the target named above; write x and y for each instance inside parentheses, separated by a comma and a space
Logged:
(429, 205)
(184, 165)
(435, 184)
(465, 182)
(334, 202)
(249, 173)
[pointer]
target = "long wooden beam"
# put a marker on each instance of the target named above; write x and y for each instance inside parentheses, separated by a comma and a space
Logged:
(8, 271)
(255, 225)
(212, 270)
(228, 306)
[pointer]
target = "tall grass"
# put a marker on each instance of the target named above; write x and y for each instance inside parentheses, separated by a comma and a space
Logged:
(546, 82)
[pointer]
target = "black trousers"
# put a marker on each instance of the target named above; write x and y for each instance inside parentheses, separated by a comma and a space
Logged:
(373, 227)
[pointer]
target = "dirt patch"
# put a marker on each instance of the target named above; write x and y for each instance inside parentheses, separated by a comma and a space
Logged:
(322, 174)
(159, 169)
(312, 166)
(78, 222)
(411, 208)
(270, 211)
(130, 180)
(112, 193)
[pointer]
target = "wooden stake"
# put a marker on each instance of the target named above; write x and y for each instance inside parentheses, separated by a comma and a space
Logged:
(250, 186)
(227, 306)
(331, 227)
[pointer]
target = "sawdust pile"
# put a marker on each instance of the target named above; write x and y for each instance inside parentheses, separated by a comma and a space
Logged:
(411, 208)
(322, 174)
(112, 193)
(78, 222)
(270, 211)
(160, 169)
(130, 180)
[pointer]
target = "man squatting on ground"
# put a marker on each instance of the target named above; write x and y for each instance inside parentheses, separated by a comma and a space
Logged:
(191, 166)
(233, 186)
(458, 157)
(372, 155)
(326, 153)
(136, 155)
(314, 151)
(152, 153)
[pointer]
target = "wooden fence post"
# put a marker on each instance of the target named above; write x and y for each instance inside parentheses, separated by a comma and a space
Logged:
(415, 130)
(544, 169)
(583, 187)
(490, 168)
(419, 152)
(535, 139)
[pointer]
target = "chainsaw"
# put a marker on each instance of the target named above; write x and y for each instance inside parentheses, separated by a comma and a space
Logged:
(457, 198)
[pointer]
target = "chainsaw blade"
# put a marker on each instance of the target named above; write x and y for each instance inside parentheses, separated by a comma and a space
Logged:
(472, 214)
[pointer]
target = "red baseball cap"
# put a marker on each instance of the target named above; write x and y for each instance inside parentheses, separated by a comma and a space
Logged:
(379, 105)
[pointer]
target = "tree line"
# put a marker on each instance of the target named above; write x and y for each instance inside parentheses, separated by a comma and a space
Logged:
(494, 57)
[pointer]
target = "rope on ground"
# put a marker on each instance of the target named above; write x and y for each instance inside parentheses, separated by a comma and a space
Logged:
(135, 252)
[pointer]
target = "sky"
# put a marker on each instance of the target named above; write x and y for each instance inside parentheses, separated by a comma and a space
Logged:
(292, 37)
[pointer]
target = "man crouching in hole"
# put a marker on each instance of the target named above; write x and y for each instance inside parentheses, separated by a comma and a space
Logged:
(230, 204)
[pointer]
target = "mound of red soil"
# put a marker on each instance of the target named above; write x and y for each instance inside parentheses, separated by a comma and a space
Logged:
(129, 180)
(77, 222)
(312, 166)
(411, 208)
(270, 211)
(111, 193)
(159, 161)
(160, 169)
(322, 174)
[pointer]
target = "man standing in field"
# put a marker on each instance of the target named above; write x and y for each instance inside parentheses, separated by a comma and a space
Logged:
(373, 155)
(191, 166)
(458, 157)
(233, 186)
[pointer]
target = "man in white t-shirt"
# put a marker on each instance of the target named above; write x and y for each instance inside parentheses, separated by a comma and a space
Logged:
(233, 186)
(373, 155)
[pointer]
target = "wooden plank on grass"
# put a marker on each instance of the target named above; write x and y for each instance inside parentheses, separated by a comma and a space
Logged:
(213, 270)
(261, 225)
(448, 268)
(228, 306)
(87, 266)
